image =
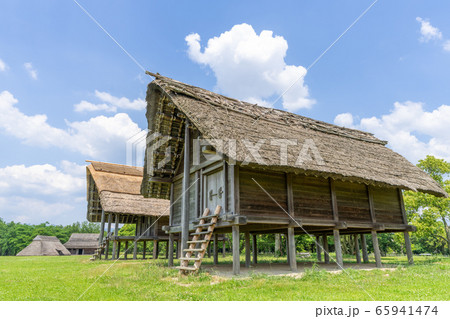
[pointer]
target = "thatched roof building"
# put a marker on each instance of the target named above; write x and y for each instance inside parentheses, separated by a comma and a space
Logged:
(44, 246)
(348, 154)
(273, 171)
(82, 244)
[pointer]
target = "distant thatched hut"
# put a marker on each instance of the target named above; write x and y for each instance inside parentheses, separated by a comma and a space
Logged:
(273, 172)
(82, 244)
(44, 246)
(113, 194)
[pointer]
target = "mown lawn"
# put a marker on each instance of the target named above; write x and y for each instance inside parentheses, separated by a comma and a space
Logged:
(67, 278)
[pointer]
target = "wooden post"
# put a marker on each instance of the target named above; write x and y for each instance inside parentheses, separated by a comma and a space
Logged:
(338, 248)
(292, 249)
(170, 249)
(364, 248)
(318, 249)
(126, 251)
(223, 248)
(135, 248)
(209, 250)
(255, 249)
(376, 249)
(185, 199)
(247, 249)
(287, 248)
(408, 248)
(358, 255)
(236, 254)
(155, 249)
(144, 249)
(116, 232)
(167, 249)
(118, 250)
(102, 233)
(215, 250)
(326, 250)
(179, 253)
(107, 235)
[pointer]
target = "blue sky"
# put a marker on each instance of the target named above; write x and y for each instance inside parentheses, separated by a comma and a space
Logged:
(68, 93)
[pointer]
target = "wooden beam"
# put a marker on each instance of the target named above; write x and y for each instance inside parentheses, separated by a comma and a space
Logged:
(326, 250)
(371, 204)
(108, 235)
(170, 250)
(236, 254)
(357, 253)
(376, 249)
(292, 249)
(318, 249)
(290, 194)
(365, 255)
(247, 249)
(334, 205)
(116, 233)
(337, 247)
(255, 249)
(216, 251)
(185, 199)
(408, 248)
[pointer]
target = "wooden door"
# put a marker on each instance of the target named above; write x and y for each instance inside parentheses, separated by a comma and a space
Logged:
(214, 190)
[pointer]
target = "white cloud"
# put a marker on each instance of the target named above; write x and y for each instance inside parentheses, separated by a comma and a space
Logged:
(427, 31)
(39, 179)
(344, 119)
(31, 70)
(251, 67)
(3, 66)
(110, 103)
(410, 130)
(100, 137)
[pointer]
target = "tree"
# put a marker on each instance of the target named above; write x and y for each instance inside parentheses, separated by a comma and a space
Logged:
(431, 214)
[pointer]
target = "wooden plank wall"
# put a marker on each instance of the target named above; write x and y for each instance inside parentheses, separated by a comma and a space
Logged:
(177, 191)
(387, 205)
(254, 202)
(312, 197)
(353, 201)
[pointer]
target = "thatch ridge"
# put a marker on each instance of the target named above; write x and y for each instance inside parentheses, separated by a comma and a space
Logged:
(348, 154)
(44, 246)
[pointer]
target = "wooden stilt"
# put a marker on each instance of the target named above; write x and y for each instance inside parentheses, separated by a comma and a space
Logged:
(357, 253)
(255, 249)
(247, 249)
(236, 254)
(170, 249)
(408, 248)
(287, 248)
(118, 250)
(108, 236)
(209, 250)
(215, 250)
(318, 249)
(223, 248)
(185, 194)
(116, 232)
(125, 254)
(376, 249)
(326, 250)
(178, 250)
(167, 249)
(102, 233)
(292, 249)
(365, 255)
(337, 247)
(155, 249)
(144, 249)
(135, 247)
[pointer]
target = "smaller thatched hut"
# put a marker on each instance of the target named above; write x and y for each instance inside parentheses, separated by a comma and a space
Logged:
(82, 244)
(44, 246)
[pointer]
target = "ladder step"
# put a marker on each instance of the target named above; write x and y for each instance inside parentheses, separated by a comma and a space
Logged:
(187, 268)
(190, 259)
(196, 241)
(208, 217)
(193, 249)
(204, 225)
(201, 233)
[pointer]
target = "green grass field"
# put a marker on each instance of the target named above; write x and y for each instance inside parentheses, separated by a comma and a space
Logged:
(66, 278)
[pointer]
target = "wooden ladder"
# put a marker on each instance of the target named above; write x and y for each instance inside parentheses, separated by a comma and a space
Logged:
(201, 236)
(98, 252)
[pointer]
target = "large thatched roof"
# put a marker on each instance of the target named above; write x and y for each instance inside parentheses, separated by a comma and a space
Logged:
(44, 246)
(116, 189)
(82, 241)
(347, 154)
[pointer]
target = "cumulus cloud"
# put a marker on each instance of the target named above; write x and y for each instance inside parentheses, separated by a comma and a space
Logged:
(344, 119)
(32, 72)
(99, 137)
(427, 31)
(110, 103)
(252, 67)
(410, 130)
(3, 66)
